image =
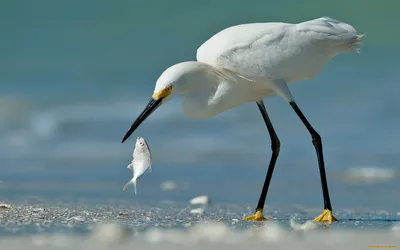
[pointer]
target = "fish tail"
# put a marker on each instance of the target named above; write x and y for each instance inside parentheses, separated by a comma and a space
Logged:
(126, 186)
(134, 184)
(129, 182)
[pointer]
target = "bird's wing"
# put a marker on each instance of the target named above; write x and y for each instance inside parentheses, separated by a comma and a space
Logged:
(260, 51)
(244, 49)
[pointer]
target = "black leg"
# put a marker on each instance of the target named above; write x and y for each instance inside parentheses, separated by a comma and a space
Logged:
(316, 140)
(275, 146)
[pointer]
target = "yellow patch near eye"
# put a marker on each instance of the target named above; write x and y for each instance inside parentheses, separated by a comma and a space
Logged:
(162, 93)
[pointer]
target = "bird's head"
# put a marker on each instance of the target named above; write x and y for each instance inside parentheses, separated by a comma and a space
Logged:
(171, 83)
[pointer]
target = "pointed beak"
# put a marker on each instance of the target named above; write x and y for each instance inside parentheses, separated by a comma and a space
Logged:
(151, 106)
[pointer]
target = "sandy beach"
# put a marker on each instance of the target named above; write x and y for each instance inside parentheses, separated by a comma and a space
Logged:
(169, 226)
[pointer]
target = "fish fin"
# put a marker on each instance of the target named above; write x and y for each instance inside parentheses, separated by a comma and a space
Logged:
(130, 166)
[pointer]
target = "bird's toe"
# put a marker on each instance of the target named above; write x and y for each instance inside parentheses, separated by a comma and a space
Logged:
(257, 216)
(325, 217)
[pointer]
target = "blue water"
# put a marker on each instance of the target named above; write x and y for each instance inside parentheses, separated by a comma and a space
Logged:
(74, 75)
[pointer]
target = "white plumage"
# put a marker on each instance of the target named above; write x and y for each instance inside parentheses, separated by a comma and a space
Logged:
(249, 62)
(278, 51)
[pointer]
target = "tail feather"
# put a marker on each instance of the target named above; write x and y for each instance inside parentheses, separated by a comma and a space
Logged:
(338, 34)
(352, 44)
(356, 43)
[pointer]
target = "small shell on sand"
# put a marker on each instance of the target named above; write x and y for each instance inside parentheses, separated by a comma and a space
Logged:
(203, 199)
(199, 210)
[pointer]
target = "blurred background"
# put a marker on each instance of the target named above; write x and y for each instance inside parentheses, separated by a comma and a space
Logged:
(75, 74)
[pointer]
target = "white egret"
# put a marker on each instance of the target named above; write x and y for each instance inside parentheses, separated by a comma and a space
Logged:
(249, 62)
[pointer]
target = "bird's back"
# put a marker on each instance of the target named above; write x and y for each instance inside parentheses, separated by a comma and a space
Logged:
(230, 40)
(292, 52)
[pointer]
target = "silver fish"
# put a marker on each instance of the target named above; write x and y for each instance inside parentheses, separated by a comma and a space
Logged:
(141, 162)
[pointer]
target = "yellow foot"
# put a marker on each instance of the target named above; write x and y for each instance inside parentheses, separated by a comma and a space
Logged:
(257, 216)
(125, 187)
(326, 216)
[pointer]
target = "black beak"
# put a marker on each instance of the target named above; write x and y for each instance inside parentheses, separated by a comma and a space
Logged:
(151, 106)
